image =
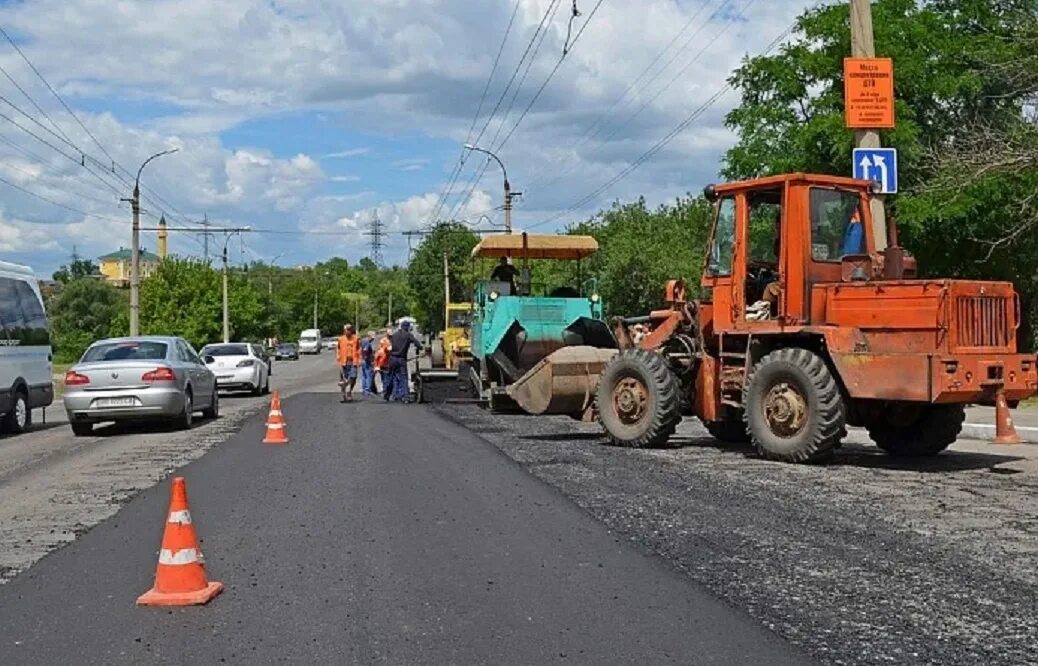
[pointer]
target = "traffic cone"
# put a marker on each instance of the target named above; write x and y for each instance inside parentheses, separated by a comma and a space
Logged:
(180, 578)
(1005, 431)
(275, 415)
(275, 434)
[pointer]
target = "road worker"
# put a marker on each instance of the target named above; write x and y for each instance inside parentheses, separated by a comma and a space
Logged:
(367, 364)
(396, 388)
(382, 360)
(348, 357)
(505, 272)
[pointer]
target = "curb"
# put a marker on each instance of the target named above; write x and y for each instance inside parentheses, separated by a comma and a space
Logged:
(983, 432)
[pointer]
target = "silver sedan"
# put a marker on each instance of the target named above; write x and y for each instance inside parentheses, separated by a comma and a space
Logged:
(141, 378)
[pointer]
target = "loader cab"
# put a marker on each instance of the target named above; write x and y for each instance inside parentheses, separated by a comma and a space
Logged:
(773, 238)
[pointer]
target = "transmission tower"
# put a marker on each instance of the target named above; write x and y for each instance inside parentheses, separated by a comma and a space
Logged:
(376, 234)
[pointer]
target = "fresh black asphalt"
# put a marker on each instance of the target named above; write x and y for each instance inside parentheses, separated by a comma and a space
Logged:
(381, 533)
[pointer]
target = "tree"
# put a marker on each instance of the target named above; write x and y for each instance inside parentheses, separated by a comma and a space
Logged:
(640, 249)
(75, 269)
(425, 272)
(86, 310)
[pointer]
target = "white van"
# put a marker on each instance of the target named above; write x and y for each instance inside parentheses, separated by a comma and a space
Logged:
(310, 341)
(25, 351)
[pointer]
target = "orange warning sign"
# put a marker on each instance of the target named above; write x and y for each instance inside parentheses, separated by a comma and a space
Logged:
(868, 88)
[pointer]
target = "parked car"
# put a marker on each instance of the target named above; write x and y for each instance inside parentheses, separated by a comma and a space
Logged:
(238, 366)
(25, 352)
(286, 350)
(142, 378)
(331, 343)
(310, 341)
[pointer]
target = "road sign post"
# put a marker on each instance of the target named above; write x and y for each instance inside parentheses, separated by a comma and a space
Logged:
(878, 165)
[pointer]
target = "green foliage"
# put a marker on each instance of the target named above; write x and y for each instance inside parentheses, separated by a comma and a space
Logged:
(640, 249)
(183, 297)
(425, 272)
(85, 310)
(76, 269)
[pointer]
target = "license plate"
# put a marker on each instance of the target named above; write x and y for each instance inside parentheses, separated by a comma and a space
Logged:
(225, 378)
(115, 402)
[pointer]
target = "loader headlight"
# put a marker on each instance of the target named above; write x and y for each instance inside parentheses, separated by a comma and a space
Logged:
(595, 298)
(494, 295)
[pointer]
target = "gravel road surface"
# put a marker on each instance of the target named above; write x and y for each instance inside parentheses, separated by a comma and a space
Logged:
(381, 534)
(864, 561)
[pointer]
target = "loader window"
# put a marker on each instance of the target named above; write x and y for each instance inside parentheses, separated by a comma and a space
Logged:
(836, 224)
(724, 239)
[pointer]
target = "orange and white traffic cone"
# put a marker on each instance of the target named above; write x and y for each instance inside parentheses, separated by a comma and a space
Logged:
(275, 415)
(276, 434)
(1005, 431)
(180, 578)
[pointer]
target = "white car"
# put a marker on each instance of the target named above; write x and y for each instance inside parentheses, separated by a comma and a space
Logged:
(25, 352)
(238, 366)
(310, 341)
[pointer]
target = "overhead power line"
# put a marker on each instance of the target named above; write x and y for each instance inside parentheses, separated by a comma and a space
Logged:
(662, 143)
(609, 112)
(545, 19)
(475, 118)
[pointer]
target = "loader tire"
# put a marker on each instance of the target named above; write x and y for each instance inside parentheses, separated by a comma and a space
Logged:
(638, 400)
(794, 409)
(927, 432)
(729, 431)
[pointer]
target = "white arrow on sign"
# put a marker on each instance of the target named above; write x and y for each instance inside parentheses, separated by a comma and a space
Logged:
(881, 164)
(866, 165)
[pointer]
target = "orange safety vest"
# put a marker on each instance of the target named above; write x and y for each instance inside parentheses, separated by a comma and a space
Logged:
(382, 355)
(348, 350)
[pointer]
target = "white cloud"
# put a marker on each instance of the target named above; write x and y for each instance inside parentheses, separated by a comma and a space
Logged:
(344, 179)
(352, 152)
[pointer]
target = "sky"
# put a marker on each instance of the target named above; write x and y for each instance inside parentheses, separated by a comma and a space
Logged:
(305, 120)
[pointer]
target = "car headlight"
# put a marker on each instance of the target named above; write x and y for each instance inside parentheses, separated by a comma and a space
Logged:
(247, 363)
(494, 295)
(595, 298)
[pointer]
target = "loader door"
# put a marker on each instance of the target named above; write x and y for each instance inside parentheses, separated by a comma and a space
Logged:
(762, 282)
(717, 278)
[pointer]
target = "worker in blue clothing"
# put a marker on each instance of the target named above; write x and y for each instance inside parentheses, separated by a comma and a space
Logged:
(400, 343)
(367, 364)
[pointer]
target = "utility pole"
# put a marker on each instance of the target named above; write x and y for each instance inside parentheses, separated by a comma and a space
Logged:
(135, 247)
(863, 46)
(446, 291)
(390, 308)
(315, 306)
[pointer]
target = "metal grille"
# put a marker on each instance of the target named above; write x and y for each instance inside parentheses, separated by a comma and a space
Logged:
(542, 312)
(983, 321)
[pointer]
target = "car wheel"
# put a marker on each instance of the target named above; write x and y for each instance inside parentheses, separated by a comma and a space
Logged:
(19, 418)
(186, 417)
(82, 428)
(213, 411)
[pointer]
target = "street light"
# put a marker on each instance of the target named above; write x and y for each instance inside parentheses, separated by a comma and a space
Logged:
(509, 194)
(135, 247)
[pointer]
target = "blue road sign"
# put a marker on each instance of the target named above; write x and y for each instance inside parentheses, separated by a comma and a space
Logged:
(879, 165)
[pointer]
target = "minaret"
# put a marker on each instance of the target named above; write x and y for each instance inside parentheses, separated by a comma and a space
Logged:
(163, 234)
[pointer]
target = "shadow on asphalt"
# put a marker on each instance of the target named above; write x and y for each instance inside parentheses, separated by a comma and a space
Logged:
(849, 455)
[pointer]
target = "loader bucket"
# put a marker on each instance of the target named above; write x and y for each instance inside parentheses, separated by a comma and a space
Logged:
(562, 383)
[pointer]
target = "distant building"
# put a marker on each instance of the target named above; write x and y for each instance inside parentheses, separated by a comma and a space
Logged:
(115, 267)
